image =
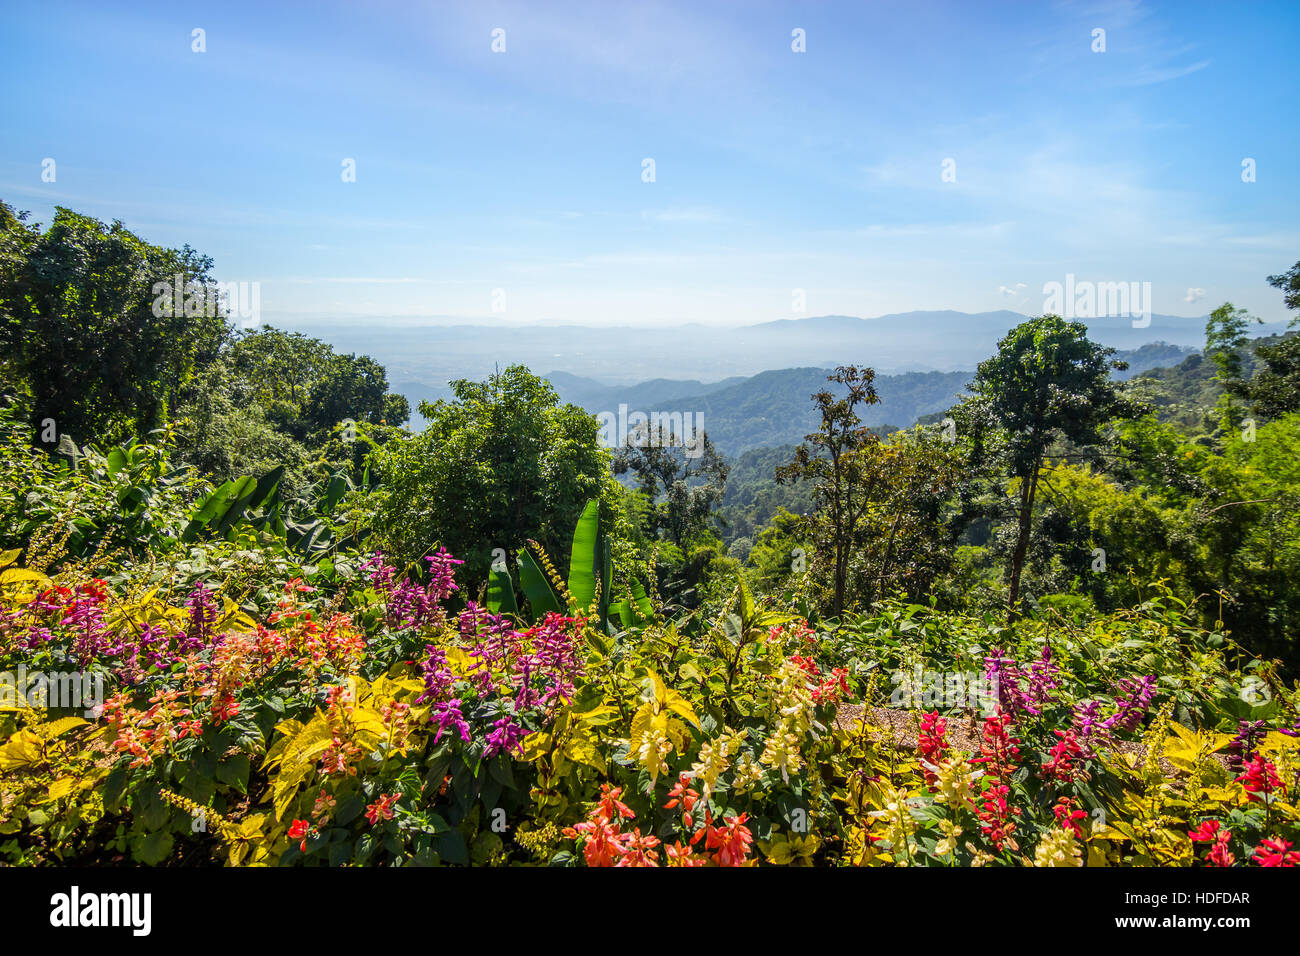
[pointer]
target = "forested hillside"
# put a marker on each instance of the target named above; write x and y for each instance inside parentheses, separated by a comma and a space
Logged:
(247, 618)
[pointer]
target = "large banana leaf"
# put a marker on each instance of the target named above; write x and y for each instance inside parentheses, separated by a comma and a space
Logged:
(582, 557)
(221, 509)
(501, 592)
(537, 589)
(261, 490)
(605, 557)
(634, 608)
(338, 486)
(216, 504)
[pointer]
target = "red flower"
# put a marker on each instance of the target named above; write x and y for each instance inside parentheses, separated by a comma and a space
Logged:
(603, 843)
(381, 809)
(1207, 831)
(224, 707)
(833, 687)
(997, 818)
(301, 829)
(932, 742)
(610, 807)
(806, 665)
(682, 794)
(1260, 778)
(1068, 817)
(1276, 852)
(1060, 766)
(999, 751)
(1211, 831)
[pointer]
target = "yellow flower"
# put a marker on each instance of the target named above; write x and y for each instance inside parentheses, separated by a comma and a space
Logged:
(747, 775)
(711, 764)
(955, 777)
(899, 825)
(649, 750)
(951, 833)
(782, 753)
(1058, 848)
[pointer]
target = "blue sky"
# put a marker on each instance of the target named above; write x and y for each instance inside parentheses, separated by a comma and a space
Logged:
(774, 170)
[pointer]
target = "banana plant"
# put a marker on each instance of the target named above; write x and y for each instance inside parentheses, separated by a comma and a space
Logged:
(588, 590)
(218, 512)
(259, 503)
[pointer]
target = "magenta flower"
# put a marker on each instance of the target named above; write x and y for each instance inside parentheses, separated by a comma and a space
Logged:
(446, 714)
(506, 737)
(438, 678)
(1132, 699)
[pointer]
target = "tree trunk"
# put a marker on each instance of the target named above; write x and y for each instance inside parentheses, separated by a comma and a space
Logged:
(1028, 489)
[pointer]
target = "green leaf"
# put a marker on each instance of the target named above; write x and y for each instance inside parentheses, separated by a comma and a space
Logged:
(746, 604)
(116, 460)
(214, 506)
(501, 592)
(451, 847)
(541, 599)
(339, 486)
(152, 848)
(582, 556)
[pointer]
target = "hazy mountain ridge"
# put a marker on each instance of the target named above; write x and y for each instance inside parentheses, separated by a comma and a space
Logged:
(774, 407)
(770, 408)
(421, 360)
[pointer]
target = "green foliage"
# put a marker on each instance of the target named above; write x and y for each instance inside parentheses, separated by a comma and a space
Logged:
(754, 497)
(272, 397)
(1289, 283)
(501, 463)
(87, 328)
(1048, 383)
(681, 485)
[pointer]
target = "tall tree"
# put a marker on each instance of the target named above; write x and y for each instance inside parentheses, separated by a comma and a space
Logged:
(1289, 283)
(682, 490)
(84, 328)
(830, 459)
(1225, 340)
(1275, 388)
(1048, 382)
(500, 463)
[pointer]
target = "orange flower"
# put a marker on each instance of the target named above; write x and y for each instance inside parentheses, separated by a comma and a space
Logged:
(610, 807)
(731, 841)
(639, 849)
(679, 855)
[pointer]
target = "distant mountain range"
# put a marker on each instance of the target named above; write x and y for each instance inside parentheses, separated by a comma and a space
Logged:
(775, 407)
(770, 408)
(907, 342)
(752, 382)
